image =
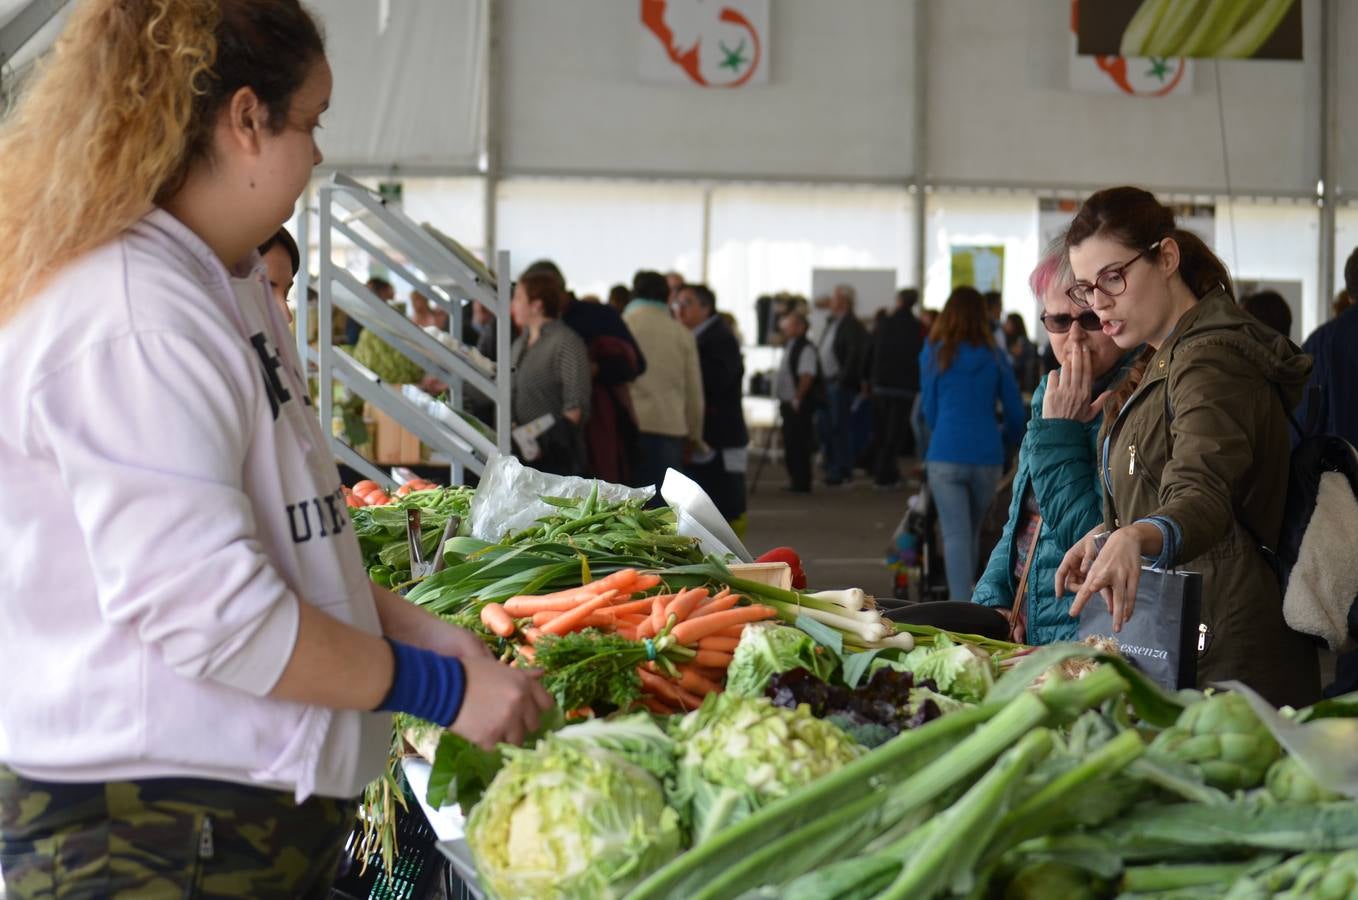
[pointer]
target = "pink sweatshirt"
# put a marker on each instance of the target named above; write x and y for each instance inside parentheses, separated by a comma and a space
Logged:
(169, 498)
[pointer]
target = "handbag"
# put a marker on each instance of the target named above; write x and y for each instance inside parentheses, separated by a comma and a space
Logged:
(1018, 615)
(1162, 636)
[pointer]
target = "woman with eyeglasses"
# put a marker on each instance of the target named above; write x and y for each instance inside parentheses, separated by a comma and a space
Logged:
(1056, 487)
(1194, 446)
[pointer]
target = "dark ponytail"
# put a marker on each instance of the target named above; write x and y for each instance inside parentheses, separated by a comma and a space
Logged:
(1135, 218)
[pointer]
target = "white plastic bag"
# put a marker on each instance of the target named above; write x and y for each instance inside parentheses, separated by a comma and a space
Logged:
(509, 496)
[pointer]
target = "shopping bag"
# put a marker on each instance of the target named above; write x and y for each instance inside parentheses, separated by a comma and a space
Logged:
(1161, 637)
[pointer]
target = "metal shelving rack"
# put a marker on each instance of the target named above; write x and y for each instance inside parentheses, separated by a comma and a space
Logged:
(445, 274)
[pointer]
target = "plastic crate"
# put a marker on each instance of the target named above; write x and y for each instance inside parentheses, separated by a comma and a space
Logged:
(418, 871)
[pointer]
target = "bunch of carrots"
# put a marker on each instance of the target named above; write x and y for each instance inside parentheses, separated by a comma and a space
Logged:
(370, 493)
(693, 632)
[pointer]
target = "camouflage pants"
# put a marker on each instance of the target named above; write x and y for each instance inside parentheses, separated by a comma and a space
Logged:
(164, 838)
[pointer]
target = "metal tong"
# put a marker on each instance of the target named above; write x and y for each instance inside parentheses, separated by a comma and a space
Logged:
(419, 566)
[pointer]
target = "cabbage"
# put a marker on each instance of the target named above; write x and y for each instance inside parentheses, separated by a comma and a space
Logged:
(957, 670)
(769, 649)
(740, 753)
(570, 820)
(386, 362)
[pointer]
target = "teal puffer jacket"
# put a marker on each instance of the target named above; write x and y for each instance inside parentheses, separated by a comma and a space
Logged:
(1057, 458)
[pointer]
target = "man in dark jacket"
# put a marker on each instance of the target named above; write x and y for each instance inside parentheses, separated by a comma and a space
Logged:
(893, 379)
(721, 469)
(1334, 347)
(843, 347)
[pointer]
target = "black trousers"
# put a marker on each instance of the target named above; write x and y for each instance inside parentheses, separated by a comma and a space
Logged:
(799, 442)
(891, 417)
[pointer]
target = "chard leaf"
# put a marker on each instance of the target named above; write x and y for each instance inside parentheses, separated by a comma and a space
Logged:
(822, 634)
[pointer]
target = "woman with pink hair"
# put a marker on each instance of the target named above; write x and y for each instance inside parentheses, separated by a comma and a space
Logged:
(1056, 489)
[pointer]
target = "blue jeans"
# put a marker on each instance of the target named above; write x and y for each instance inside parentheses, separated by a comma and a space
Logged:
(962, 494)
(836, 432)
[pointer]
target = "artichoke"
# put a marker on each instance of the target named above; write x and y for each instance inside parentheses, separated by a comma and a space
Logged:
(1222, 737)
(1288, 781)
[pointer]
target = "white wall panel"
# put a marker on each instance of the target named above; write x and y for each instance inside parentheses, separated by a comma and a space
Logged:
(768, 238)
(839, 102)
(1346, 22)
(1001, 110)
(601, 232)
(409, 95)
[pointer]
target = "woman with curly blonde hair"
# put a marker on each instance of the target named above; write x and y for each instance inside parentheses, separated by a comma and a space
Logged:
(194, 660)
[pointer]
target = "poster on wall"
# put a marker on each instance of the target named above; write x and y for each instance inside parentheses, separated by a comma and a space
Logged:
(1134, 76)
(1054, 215)
(981, 267)
(1242, 29)
(705, 43)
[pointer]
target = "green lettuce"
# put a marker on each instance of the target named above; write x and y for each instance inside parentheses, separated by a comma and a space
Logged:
(959, 671)
(769, 649)
(740, 753)
(570, 820)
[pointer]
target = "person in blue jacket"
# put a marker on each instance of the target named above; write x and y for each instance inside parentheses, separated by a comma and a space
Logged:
(1057, 498)
(963, 376)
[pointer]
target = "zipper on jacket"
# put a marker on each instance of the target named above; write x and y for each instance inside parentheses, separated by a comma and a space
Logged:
(1131, 456)
(1202, 636)
(205, 847)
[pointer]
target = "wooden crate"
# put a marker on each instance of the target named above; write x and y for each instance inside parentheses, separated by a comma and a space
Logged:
(392, 444)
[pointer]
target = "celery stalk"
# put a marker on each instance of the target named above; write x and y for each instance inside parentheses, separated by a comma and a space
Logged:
(792, 854)
(1259, 28)
(947, 859)
(1173, 28)
(1217, 25)
(1177, 877)
(1142, 26)
(894, 761)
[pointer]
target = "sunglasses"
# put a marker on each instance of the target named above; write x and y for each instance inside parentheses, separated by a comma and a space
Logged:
(1060, 322)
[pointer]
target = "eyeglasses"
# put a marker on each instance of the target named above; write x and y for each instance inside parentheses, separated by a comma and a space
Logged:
(1111, 282)
(1060, 322)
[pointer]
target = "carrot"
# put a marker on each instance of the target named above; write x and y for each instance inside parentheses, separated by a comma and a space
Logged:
(716, 659)
(717, 604)
(692, 630)
(377, 498)
(631, 606)
(693, 680)
(575, 618)
(526, 653)
(618, 581)
(658, 706)
(494, 617)
(597, 619)
(668, 690)
(531, 635)
(683, 605)
(656, 620)
(524, 605)
(717, 642)
(645, 583)
(627, 631)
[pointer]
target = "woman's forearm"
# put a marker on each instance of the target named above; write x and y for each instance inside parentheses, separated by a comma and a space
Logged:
(334, 664)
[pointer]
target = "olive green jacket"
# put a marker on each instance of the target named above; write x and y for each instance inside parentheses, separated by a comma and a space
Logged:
(1203, 443)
